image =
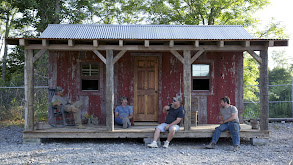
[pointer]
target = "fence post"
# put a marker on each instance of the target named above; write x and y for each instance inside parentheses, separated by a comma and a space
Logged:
(292, 98)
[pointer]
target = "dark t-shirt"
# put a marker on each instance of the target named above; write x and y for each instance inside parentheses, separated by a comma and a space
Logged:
(174, 113)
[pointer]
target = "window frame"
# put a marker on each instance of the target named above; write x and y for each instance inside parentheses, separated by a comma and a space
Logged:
(95, 77)
(205, 92)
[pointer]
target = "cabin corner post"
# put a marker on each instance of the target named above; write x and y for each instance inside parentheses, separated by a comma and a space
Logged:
(109, 90)
(264, 94)
(29, 90)
(187, 89)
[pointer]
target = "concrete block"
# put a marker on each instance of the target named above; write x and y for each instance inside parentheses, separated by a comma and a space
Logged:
(149, 140)
(31, 141)
(259, 141)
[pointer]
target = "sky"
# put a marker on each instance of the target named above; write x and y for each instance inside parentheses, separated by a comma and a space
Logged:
(282, 11)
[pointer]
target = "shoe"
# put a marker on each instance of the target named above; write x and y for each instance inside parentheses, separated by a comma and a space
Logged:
(153, 145)
(80, 127)
(125, 122)
(211, 145)
(236, 148)
(129, 123)
(166, 144)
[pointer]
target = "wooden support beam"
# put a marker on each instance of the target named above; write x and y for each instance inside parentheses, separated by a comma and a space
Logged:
(95, 43)
(39, 54)
(120, 43)
(146, 43)
(171, 44)
(196, 44)
(29, 90)
(23, 42)
(177, 55)
(264, 92)
(118, 56)
(255, 56)
(196, 56)
(220, 44)
(109, 90)
(100, 56)
(71, 42)
(271, 43)
(187, 89)
(246, 44)
(45, 42)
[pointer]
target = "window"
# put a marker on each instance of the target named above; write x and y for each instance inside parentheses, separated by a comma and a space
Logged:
(200, 77)
(89, 77)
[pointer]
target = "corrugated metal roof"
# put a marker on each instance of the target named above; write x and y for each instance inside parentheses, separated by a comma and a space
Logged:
(91, 31)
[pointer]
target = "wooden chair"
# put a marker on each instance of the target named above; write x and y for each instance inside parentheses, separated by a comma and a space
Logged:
(58, 117)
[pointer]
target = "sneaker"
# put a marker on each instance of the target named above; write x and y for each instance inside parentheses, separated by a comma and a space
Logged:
(125, 122)
(236, 148)
(166, 144)
(211, 145)
(153, 145)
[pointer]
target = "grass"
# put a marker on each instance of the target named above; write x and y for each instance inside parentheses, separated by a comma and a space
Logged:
(6, 123)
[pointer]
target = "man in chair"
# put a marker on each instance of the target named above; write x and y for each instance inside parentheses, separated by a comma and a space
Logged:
(61, 101)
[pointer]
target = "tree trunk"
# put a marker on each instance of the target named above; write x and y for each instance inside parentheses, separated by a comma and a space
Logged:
(5, 48)
(57, 12)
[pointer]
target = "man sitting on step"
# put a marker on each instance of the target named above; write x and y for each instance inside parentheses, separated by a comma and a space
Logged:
(175, 115)
(123, 113)
(61, 101)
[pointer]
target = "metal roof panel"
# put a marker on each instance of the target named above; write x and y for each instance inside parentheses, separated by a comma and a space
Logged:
(172, 32)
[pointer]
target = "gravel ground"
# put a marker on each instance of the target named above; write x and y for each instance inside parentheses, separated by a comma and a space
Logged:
(133, 151)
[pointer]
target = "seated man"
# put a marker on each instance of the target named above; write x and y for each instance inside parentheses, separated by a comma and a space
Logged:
(123, 113)
(230, 121)
(61, 101)
(175, 115)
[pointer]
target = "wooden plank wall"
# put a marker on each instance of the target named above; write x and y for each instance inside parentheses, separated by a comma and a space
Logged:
(64, 71)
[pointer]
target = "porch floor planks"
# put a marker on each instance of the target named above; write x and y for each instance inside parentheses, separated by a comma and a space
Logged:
(137, 131)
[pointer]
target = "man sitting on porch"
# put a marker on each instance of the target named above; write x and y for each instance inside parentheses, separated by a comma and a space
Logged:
(175, 115)
(230, 121)
(123, 113)
(61, 101)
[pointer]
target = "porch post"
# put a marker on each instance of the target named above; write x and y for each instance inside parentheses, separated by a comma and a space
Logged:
(187, 89)
(109, 90)
(29, 90)
(264, 99)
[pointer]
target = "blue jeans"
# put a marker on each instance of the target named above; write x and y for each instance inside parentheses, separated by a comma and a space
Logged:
(233, 127)
(118, 121)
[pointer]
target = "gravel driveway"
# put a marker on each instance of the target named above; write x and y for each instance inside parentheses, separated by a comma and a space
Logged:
(133, 151)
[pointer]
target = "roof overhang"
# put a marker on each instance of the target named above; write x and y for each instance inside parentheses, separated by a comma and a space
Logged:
(151, 44)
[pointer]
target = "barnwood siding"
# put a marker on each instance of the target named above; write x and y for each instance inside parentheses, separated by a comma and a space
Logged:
(225, 70)
(64, 70)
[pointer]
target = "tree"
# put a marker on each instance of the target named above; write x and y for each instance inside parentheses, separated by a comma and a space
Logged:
(203, 12)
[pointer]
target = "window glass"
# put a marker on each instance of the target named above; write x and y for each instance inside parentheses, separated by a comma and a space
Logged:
(200, 70)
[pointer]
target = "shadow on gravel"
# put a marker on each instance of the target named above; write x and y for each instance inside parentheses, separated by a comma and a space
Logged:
(176, 141)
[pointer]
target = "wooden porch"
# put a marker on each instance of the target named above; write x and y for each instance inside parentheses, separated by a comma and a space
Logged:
(139, 130)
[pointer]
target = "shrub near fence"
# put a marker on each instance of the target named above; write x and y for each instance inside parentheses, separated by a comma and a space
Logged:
(12, 102)
(280, 102)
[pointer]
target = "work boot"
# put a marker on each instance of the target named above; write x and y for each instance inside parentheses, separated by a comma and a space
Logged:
(236, 148)
(125, 122)
(166, 144)
(80, 126)
(153, 145)
(211, 145)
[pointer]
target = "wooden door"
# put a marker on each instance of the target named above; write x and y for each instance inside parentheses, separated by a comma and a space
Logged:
(146, 88)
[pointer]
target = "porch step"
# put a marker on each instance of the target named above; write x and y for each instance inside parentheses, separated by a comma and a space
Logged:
(140, 123)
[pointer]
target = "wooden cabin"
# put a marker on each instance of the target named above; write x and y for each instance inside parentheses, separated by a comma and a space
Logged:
(149, 64)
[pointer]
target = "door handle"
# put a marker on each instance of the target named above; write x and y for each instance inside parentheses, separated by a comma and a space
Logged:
(156, 92)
